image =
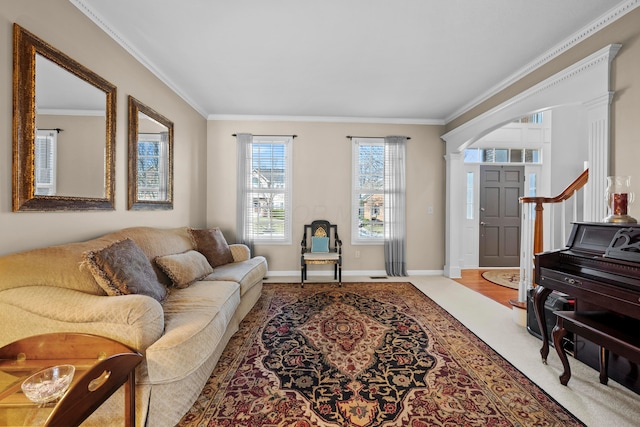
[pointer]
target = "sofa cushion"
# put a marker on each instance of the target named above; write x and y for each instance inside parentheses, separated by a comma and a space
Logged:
(51, 266)
(195, 320)
(246, 273)
(134, 320)
(156, 242)
(58, 265)
(212, 244)
(240, 252)
(185, 268)
(122, 268)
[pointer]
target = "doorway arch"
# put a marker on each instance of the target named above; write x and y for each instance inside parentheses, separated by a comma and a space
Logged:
(585, 83)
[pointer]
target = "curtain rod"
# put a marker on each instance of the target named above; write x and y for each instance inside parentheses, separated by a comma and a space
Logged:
(377, 137)
(56, 129)
(293, 136)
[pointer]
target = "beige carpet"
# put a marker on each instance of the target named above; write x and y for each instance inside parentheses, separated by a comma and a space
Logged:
(508, 278)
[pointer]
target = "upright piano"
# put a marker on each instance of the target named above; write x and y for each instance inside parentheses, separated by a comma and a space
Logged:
(600, 268)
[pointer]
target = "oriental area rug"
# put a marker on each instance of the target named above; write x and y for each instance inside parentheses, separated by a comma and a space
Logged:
(364, 354)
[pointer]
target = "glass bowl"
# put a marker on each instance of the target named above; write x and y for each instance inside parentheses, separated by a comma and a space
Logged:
(49, 384)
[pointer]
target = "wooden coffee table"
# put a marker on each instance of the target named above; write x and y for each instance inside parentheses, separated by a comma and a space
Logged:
(102, 366)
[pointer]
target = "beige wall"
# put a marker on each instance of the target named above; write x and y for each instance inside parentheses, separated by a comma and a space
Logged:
(322, 187)
(625, 131)
(80, 168)
(62, 25)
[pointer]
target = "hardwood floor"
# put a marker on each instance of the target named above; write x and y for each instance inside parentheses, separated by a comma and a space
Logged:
(473, 279)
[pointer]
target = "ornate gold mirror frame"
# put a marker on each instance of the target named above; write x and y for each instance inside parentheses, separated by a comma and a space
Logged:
(28, 47)
(150, 158)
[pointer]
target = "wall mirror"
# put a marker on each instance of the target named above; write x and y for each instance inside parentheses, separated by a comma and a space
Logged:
(150, 158)
(64, 119)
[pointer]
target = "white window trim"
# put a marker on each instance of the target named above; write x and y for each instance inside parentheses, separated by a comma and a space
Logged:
(355, 205)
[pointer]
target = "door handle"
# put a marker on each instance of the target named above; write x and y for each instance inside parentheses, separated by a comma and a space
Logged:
(484, 223)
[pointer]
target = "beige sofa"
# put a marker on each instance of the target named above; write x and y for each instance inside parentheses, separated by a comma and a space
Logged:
(182, 337)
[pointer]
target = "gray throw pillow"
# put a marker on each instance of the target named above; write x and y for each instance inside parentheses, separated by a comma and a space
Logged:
(122, 268)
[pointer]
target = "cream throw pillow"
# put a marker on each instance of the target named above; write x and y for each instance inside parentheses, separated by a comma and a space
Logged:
(185, 268)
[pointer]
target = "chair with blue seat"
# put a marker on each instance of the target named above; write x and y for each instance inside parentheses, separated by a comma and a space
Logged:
(321, 245)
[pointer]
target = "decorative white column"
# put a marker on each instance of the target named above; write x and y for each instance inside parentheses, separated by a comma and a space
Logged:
(453, 221)
(599, 160)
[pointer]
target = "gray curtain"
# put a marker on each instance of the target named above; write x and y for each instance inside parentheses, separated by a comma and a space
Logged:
(394, 205)
(244, 229)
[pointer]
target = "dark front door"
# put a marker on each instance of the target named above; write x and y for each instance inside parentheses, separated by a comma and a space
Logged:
(500, 190)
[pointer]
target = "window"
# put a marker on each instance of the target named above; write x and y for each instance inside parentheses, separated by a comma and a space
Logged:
(268, 196)
(45, 162)
(470, 195)
(501, 155)
(152, 161)
(532, 185)
(532, 156)
(368, 190)
(536, 118)
(533, 190)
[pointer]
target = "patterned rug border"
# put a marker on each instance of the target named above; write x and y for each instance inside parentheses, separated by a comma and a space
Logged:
(324, 286)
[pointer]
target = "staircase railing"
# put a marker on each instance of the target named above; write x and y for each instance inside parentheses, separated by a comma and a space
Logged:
(532, 228)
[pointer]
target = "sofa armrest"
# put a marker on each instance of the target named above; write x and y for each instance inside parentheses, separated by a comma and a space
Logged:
(134, 320)
(240, 252)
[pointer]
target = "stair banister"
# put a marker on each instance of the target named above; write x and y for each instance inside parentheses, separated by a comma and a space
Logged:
(538, 231)
(566, 194)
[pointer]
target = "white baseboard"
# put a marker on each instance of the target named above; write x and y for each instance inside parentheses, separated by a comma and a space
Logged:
(329, 273)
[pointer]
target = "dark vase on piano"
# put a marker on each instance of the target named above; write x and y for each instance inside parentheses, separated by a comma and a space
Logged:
(600, 270)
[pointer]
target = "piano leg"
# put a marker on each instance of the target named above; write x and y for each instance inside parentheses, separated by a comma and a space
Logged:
(604, 365)
(559, 332)
(539, 299)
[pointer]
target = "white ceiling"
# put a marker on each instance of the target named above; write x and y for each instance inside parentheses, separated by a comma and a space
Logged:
(404, 60)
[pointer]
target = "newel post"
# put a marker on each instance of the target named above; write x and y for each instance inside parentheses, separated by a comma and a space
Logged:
(538, 228)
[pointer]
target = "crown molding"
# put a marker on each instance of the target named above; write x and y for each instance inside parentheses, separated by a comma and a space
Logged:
(587, 31)
(267, 118)
(90, 13)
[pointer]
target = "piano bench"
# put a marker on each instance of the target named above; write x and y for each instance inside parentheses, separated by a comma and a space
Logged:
(608, 330)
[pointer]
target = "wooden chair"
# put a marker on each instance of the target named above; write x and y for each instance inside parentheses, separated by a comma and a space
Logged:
(321, 245)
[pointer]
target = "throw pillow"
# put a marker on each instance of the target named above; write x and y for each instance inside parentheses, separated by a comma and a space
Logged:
(185, 268)
(319, 244)
(212, 244)
(122, 268)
